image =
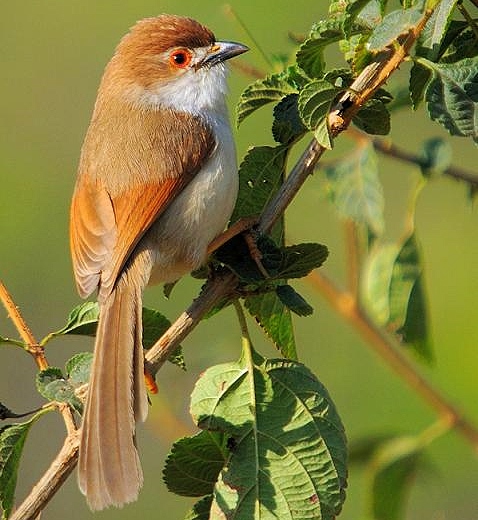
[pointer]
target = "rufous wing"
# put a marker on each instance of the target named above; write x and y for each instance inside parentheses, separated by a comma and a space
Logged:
(109, 219)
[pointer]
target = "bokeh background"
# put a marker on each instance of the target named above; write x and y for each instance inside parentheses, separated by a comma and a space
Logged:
(52, 57)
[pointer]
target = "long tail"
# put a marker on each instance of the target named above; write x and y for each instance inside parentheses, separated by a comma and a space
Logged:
(109, 470)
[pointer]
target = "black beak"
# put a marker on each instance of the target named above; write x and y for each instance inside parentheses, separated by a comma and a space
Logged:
(222, 51)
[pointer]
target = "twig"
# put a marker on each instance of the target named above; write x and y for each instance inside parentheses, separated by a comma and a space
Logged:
(31, 345)
(52, 480)
(386, 147)
(388, 349)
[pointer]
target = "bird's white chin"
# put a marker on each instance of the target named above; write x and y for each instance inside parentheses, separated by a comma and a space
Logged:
(195, 91)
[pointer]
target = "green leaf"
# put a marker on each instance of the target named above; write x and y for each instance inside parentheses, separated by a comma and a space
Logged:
(290, 455)
(261, 92)
(260, 176)
(452, 96)
(310, 56)
(53, 386)
(392, 290)
(194, 463)
(393, 26)
(464, 45)
(314, 103)
(408, 314)
(355, 188)
(82, 320)
(287, 126)
(373, 118)
(420, 77)
(352, 11)
(435, 156)
(393, 470)
(376, 279)
(429, 43)
(78, 368)
(275, 319)
(299, 260)
(293, 301)
(12, 440)
(415, 330)
(201, 510)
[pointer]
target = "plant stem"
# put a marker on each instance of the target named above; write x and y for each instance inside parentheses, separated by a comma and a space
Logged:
(31, 344)
(388, 148)
(388, 349)
(33, 347)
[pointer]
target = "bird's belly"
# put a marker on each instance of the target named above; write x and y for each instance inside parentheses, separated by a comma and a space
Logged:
(179, 239)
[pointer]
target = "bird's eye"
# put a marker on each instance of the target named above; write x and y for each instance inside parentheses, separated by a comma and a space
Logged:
(180, 58)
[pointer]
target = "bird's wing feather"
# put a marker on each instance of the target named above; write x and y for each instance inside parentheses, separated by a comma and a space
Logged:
(109, 216)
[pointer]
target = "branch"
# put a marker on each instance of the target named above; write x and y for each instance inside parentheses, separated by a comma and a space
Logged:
(388, 148)
(345, 303)
(31, 344)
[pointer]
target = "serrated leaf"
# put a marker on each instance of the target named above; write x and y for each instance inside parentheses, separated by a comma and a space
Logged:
(355, 188)
(53, 386)
(275, 319)
(201, 509)
(299, 260)
(290, 456)
(82, 320)
(464, 45)
(310, 56)
(260, 176)
(260, 93)
(373, 118)
(393, 470)
(435, 156)
(78, 368)
(287, 126)
(294, 301)
(396, 24)
(352, 11)
(452, 96)
(429, 43)
(12, 440)
(194, 463)
(314, 104)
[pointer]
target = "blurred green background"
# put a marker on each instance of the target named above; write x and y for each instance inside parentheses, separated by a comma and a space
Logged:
(53, 54)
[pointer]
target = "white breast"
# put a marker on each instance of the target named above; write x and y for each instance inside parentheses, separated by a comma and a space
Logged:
(179, 239)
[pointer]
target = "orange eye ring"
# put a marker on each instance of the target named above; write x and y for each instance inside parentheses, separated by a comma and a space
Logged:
(180, 58)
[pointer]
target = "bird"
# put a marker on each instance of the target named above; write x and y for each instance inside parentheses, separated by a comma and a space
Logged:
(157, 183)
